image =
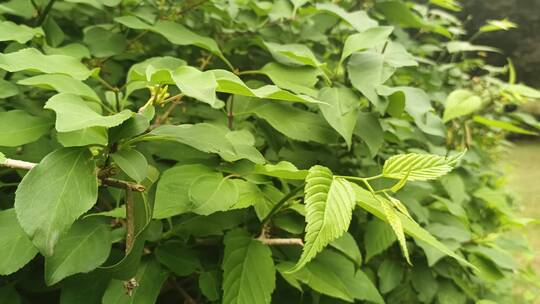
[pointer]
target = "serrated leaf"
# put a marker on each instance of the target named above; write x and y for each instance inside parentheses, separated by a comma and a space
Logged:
(32, 59)
(132, 162)
(73, 113)
(54, 194)
(17, 250)
(86, 246)
(329, 204)
(21, 33)
(417, 166)
(368, 202)
(460, 103)
(395, 222)
(248, 270)
(497, 25)
(62, 84)
(18, 128)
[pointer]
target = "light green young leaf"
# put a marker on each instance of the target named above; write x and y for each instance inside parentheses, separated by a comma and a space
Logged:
(248, 270)
(497, 25)
(18, 128)
(460, 103)
(359, 20)
(341, 110)
(210, 194)
(196, 84)
(21, 33)
(2, 158)
(73, 113)
(156, 69)
(503, 125)
(329, 204)
(447, 4)
(132, 162)
(17, 250)
(173, 187)
(150, 277)
(368, 202)
(86, 246)
(365, 40)
(418, 166)
(7, 89)
(62, 84)
(283, 169)
(465, 46)
(33, 60)
(57, 191)
(292, 54)
(395, 222)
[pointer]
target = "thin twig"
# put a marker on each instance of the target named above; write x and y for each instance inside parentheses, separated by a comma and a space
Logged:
(191, 7)
(280, 204)
(187, 298)
(45, 12)
(230, 113)
(281, 241)
(23, 165)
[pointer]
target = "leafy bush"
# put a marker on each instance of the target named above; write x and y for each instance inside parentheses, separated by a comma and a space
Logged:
(178, 149)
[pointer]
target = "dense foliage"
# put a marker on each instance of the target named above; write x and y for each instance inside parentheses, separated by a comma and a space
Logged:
(255, 152)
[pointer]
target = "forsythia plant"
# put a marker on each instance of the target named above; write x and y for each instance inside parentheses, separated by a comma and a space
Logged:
(246, 152)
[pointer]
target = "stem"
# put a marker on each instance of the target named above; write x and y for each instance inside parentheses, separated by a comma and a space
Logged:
(230, 113)
(45, 12)
(281, 241)
(280, 204)
(18, 164)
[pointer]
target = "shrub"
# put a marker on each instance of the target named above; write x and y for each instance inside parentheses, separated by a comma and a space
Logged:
(254, 152)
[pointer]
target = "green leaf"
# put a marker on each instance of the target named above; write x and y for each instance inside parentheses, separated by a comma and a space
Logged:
(248, 270)
(61, 84)
(465, 46)
(132, 162)
(85, 288)
(21, 33)
(230, 145)
(377, 238)
(209, 284)
(347, 245)
(300, 80)
(393, 219)
(56, 192)
(210, 194)
(86, 246)
(292, 54)
(390, 274)
(452, 5)
(369, 129)
(104, 42)
(155, 70)
(73, 113)
(178, 258)
(503, 125)
(500, 257)
(85, 137)
(368, 202)
(196, 84)
(283, 169)
(329, 204)
(497, 25)
(173, 187)
(418, 166)
(9, 295)
(34, 60)
(359, 20)
(150, 277)
(341, 110)
(366, 74)
(7, 89)
(366, 40)
(460, 103)
(175, 33)
(330, 273)
(2, 158)
(295, 123)
(364, 289)
(18, 128)
(17, 250)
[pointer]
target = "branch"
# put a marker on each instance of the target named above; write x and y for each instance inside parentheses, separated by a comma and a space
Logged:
(110, 182)
(281, 241)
